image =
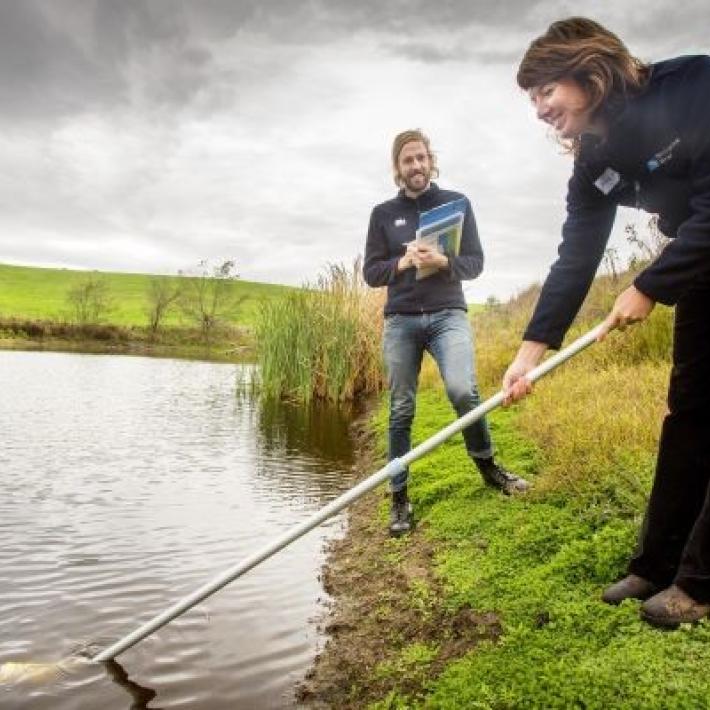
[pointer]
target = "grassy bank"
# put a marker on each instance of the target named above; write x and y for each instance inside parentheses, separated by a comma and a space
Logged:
(36, 312)
(537, 564)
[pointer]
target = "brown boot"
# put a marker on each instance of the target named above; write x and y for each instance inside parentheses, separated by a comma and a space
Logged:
(630, 587)
(672, 607)
(496, 476)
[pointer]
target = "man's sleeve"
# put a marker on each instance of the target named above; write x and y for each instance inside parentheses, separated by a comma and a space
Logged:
(468, 264)
(687, 257)
(586, 230)
(379, 267)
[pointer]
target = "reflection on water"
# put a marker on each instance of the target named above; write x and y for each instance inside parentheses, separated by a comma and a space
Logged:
(139, 694)
(317, 431)
(129, 482)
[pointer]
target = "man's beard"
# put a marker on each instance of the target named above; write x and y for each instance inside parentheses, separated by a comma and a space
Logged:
(417, 187)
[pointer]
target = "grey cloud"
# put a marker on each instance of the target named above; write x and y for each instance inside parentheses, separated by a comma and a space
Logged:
(59, 57)
(427, 52)
(43, 70)
(209, 126)
(74, 56)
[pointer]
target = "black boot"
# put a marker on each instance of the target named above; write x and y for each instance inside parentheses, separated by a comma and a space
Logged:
(497, 477)
(401, 513)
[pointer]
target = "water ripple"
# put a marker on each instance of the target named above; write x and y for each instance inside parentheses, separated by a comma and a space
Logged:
(127, 484)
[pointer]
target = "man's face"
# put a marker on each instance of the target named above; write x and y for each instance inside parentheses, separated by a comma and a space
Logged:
(414, 166)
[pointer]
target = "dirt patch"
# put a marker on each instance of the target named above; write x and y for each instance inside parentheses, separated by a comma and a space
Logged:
(386, 626)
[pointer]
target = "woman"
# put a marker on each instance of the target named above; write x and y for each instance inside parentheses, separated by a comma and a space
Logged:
(640, 135)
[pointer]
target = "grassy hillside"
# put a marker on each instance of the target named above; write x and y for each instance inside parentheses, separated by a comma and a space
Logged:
(41, 294)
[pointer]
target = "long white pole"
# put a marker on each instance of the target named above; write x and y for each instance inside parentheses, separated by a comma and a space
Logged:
(391, 469)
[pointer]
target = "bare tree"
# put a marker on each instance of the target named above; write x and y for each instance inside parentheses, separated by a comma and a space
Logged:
(648, 245)
(89, 300)
(207, 296)
(611, 261)
(162, 295)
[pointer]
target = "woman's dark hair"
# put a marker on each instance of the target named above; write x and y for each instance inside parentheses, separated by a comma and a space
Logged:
(583, 50)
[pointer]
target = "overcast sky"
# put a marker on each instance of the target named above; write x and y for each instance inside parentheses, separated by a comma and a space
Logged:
(147, 135)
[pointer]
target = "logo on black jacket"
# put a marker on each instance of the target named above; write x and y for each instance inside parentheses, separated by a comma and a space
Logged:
(662, 157)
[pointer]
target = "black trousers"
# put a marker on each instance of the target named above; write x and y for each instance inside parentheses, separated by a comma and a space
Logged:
(674, 545)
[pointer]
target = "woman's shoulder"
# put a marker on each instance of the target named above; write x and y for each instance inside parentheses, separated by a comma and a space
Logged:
(680, 66)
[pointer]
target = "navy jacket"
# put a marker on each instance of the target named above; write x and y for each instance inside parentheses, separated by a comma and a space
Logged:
(657, 158)
(392, 225)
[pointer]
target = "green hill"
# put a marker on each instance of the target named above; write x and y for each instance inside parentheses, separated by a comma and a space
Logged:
(41, 294)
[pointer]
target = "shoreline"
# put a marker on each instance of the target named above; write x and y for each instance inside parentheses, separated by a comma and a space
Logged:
(385, 630)
(222, 351)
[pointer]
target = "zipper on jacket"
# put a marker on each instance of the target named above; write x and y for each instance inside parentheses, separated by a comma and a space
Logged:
(419, 211)
(637, 190)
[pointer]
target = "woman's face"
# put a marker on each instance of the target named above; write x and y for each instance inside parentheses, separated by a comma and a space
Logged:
(564, 105)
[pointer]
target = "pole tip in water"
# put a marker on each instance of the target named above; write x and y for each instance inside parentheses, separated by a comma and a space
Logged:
(14, 672)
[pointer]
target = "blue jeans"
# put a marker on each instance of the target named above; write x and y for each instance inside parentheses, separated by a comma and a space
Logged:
(447, 336)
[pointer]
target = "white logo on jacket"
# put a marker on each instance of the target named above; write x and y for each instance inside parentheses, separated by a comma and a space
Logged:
(400, 222)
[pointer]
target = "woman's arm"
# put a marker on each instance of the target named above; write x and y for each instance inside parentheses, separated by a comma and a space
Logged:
(590, 216)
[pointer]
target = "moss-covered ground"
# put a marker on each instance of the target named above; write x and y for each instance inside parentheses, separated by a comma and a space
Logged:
(526, 571)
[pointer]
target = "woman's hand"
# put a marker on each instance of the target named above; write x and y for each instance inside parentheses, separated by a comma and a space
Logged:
(630, 307)
(515, 384)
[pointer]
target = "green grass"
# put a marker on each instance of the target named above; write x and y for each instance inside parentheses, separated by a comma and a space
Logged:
(41, 294)
(587, 439)
(541, 564)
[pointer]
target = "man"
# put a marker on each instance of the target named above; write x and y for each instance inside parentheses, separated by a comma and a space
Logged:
(426, 313)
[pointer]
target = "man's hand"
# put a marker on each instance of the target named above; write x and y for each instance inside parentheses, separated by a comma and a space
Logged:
(630, 307)
(408, 260)
(429, 255)
(515, 384)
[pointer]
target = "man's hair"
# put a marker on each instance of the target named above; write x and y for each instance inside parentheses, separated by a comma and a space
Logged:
(400, 140)
(581, 49)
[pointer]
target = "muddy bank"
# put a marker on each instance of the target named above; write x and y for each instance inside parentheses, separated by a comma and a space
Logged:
(221, 352)
(385, 627)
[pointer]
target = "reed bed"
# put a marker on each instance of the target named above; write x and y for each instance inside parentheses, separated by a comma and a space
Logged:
(322, 341)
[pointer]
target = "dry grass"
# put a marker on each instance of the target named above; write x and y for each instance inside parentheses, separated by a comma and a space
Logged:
(596, 421)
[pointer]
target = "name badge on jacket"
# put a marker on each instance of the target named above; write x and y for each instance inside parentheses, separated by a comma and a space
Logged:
(607, 181)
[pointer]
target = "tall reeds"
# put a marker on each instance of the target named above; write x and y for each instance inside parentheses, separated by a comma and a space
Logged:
(322, 341)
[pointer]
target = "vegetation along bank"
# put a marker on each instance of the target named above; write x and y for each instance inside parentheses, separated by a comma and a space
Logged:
(494, 602)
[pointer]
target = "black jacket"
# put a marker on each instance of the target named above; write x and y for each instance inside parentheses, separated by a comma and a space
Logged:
(392, 224)
(657, 158)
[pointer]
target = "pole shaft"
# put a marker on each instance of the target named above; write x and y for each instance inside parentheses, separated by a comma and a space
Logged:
(390, 470)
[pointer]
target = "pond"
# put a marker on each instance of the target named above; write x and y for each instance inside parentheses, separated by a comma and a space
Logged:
(129, 482)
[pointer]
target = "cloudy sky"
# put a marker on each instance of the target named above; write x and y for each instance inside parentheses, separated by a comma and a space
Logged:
(147, 135)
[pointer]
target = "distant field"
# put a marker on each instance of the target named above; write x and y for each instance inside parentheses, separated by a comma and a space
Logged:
(41, 294)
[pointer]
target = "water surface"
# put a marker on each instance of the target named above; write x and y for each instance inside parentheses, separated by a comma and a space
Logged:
(127, 483)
